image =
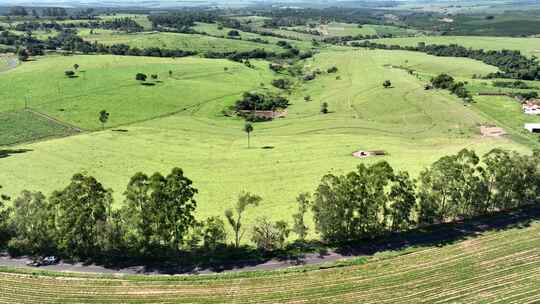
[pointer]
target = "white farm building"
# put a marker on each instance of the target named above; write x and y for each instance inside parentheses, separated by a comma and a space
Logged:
(533, 127)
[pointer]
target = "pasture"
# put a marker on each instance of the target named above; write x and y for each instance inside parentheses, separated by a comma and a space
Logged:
(186, 42)
(288, 155)
(528, 46)
(338, 29)
(215, 30)
(108, 82)
(496, 267)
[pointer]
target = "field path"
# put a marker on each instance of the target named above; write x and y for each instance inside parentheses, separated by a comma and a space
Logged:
(77, 129)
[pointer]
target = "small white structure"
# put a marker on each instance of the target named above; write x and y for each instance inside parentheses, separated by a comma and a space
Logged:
(533, 127)
(532, 107)
(532, 111)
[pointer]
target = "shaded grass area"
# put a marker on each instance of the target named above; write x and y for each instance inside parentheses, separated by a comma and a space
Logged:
(23, 126)
(487, 260)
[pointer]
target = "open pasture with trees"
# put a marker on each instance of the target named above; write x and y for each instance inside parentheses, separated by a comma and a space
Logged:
(185, 42)
(109, 82)
(528, 46)
(210, 140)
(287, 156)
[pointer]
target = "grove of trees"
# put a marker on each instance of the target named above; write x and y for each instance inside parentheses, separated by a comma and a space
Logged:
(158, 217)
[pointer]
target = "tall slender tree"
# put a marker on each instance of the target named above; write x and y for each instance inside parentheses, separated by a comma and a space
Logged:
(248, 128)
(103, 118)
(300, 227)
(234, 218)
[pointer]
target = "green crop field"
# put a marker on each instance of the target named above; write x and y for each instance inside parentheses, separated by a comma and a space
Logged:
(20, 126)
(186, 42)
(497, 267)
(288, 156)
(528, 46)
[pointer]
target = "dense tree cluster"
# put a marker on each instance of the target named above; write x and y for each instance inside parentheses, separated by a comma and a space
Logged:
(343, 40)
(282, 83)
(513, 85)
(375, 200)
(296, 16)
(253, 101)
(182, 21)
(447, 82)
(119, 24)
(54, 12)
(512, 64)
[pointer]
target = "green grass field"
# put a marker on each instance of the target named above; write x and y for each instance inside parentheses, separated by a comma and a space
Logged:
(337, 29)
(496, 267)
(528, 46)
(213, 29)
(108, 82)
(21, 126)
(186, 42)
(414, 126)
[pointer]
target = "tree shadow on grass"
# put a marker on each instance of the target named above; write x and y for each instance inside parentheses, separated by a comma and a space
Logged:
(298, 253)
(4, 153)
(148, 84)
(444, 234)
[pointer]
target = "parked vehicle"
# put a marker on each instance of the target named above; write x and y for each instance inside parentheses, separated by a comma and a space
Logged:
(43, 261)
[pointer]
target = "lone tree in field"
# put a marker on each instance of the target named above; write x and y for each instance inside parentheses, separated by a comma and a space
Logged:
(76, 67)
(141, 77)
(235, 220)
(324, 108)
(387, 84)
(103, 118)
(248, 128)
(170, 73)
(233, 33)
(154, 77)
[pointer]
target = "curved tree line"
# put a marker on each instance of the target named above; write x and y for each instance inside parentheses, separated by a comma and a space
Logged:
(512, 63)
(157, 218)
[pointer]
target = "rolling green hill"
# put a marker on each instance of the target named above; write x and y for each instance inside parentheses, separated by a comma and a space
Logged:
(289, 155)
(108, 82)
(186, 42)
